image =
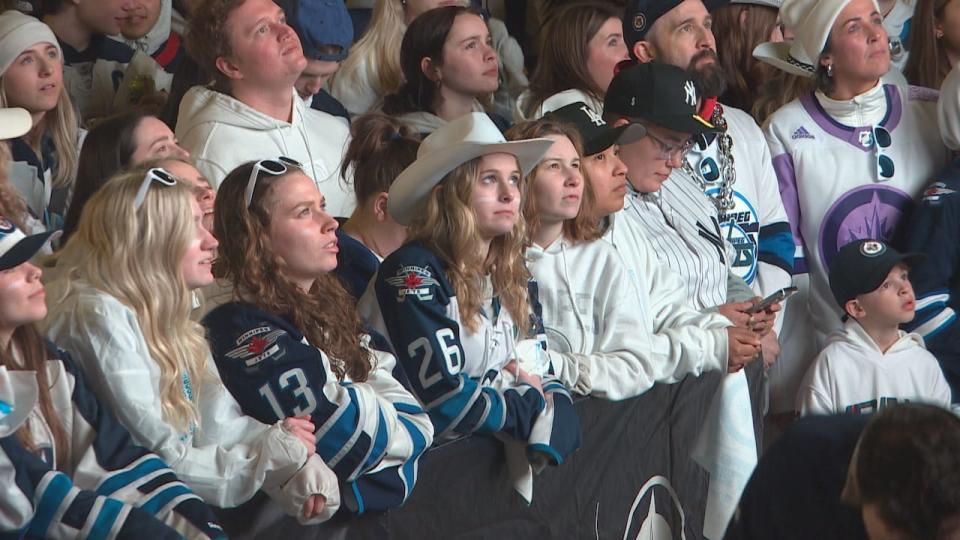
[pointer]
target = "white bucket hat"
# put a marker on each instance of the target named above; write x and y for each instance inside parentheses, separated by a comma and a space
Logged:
(14, 122)
(769, 3)
(811, 22)
(450, 146)
(18, 396)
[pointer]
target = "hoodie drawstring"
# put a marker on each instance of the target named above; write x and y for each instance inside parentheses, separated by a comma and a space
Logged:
(573, 299)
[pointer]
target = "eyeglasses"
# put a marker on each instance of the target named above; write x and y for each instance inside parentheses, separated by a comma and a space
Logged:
(157, 175)
(666, 150)
(882, 141)
(273, 167)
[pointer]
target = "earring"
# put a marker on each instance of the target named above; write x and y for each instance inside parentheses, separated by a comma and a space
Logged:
(829, 70)
(439, 83)
(939, 34)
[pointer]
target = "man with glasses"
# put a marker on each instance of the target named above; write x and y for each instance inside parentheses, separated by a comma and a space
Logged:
(731, 164)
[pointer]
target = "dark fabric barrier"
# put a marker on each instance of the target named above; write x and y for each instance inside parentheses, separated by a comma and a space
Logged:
(634, 452)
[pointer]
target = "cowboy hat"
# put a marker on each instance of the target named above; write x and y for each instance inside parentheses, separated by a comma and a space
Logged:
(453, 144)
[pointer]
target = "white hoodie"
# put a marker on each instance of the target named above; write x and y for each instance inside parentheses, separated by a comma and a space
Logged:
(221, 133)
(601, 340)
(852, 374)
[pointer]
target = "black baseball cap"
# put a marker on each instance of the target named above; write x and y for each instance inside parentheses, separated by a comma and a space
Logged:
(17, 248)
(597, 135)
(659, 93)
(862, 265)
(641, 14)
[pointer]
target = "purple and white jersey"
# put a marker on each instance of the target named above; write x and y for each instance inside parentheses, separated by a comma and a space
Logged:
(841, 183)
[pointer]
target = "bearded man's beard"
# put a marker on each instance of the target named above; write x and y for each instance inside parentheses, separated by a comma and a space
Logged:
(709, 78)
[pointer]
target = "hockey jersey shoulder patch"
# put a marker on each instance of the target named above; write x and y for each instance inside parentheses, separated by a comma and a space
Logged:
(256, 345)
(936, 192)
(415, 281)
(414, 272)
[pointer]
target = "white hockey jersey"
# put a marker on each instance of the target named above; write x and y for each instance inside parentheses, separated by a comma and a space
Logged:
(834, 193)
(601, 341)
(757, 227)
(852, 375)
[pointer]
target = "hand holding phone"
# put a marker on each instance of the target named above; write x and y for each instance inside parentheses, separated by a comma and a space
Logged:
(776, 298)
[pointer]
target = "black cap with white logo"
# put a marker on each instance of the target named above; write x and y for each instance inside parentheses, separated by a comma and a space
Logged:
(861, 266)
(597, 135)
(658, 93)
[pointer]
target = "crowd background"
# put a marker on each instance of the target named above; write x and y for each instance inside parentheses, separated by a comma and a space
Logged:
(286, 247)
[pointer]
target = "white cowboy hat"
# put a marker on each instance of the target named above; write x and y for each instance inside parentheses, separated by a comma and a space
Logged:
(450, 146)
(18, 396)
(14, 122)
(811, 22)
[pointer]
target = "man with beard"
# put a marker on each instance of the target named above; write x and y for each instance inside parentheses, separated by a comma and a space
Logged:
(733, 166)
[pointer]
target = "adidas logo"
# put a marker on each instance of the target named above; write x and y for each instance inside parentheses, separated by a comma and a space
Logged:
(801, 133)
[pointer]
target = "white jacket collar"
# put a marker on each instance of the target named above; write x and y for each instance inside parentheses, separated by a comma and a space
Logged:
(203, 105)
(867, 109)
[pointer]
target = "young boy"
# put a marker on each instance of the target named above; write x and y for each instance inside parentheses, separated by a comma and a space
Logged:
(871, 363)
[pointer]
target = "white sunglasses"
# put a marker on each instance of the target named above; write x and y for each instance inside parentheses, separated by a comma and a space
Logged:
(157, 175)
(273, 167)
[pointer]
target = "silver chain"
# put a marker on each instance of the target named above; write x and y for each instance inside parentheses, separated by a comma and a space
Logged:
(728, 174)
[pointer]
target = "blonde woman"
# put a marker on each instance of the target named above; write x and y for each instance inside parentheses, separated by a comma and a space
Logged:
(453, 299)
(45, 158)
(122, 305)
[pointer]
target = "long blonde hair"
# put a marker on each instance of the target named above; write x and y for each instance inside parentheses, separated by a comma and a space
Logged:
(134, 256)
(62, 125)
(447, 226)
(377, 53)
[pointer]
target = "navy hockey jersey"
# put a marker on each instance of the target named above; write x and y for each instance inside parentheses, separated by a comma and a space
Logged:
(934, 230)
(455, 373)
(106, 487)
(370, 434)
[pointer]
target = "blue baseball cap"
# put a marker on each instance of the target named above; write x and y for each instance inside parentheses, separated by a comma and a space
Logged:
(319, 23)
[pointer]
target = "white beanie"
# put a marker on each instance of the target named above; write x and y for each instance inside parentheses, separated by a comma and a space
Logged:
(948, 110)
(19, 32)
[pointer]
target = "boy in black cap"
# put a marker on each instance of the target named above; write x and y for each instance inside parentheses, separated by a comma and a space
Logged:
(871, 363)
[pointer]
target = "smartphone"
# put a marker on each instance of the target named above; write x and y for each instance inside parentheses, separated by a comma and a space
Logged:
(775, 298)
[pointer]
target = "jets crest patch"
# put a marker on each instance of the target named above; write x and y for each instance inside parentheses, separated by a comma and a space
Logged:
(256, 345)
(936, 192)
(413, 281)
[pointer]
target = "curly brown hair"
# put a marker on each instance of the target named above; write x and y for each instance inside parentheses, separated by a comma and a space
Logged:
(326, 315)
(208, 36)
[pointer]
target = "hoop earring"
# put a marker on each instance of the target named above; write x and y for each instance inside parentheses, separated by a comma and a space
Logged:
(829, 70)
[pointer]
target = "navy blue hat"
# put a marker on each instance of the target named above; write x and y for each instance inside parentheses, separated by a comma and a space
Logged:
(319, 23)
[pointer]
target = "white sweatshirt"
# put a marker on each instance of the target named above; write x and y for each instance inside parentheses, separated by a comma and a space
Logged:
(229, 457)
(852, 375)
(221, 133)
(601, 339)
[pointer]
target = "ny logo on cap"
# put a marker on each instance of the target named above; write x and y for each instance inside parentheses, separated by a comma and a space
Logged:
(594, 117)
(691, 94)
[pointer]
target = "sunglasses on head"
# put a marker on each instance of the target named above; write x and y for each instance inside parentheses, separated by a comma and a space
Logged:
(273, 167)
(157, 175)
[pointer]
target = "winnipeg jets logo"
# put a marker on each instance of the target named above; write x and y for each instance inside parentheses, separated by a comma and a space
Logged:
(594, 117)
(690, 92)
(872, 248)
(256, 345)
(413, 281)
